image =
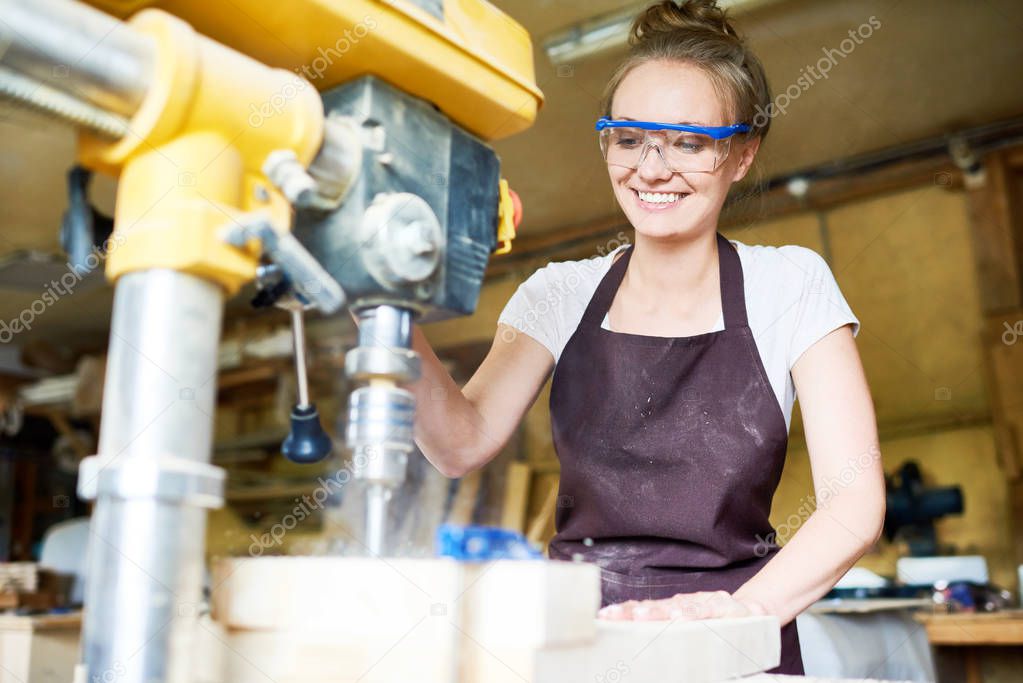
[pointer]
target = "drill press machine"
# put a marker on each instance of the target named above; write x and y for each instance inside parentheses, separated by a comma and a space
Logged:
(333, 149)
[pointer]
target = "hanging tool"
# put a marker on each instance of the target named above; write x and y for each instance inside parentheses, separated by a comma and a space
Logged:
(307, 442)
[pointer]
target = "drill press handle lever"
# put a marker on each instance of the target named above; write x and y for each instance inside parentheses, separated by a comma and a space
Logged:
(308, 280)
(307, 442)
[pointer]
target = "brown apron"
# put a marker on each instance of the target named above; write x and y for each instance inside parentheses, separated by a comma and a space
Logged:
(671, 449)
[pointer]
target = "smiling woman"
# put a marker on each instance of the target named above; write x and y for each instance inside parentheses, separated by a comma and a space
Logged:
(676, 361)
(687, 65)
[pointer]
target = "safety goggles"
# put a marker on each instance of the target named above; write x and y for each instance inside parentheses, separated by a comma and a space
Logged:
(683, 148)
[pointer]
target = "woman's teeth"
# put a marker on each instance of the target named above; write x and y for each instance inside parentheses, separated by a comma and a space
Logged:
(660, 197)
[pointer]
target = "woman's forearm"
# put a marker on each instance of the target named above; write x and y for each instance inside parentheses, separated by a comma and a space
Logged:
(845, 459)
(830, 541)
(449, 430)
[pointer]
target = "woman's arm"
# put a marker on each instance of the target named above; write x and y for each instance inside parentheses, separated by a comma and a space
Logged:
(841, 435)
(849, 488)
(461, 429)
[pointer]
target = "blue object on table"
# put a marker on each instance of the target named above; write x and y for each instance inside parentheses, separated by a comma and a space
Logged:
(961, 593)
(481, 543)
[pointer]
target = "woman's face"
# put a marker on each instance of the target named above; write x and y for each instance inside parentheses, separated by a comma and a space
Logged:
(675, 92)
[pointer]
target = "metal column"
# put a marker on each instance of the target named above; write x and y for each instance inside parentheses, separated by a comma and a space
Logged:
(152, 479)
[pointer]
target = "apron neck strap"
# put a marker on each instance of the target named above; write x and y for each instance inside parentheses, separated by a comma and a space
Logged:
(733, 296)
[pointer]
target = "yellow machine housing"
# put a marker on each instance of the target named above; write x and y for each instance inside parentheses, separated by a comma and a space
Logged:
(475, 64)
(191, 163)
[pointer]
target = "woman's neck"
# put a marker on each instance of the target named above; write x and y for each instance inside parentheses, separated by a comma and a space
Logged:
(660, 267)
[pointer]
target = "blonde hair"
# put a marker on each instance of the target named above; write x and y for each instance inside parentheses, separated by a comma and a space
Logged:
(698, 32)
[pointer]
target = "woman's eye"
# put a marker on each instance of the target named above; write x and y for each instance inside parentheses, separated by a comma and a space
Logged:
(627, 141)
(690, 144)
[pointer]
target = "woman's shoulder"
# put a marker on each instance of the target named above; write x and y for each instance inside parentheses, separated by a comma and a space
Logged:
(575, 272)
(789, 262)
(791, 291)
(550, 302)
(769, 255)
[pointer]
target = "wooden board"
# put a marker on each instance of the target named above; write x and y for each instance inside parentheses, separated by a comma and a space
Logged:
(41, 648)
(702, 651)
(516, 496)
(997, 628)
(19, 576)
(867, 605)
(333, 619)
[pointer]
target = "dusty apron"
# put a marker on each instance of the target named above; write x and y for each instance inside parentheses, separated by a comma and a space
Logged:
(671, 449)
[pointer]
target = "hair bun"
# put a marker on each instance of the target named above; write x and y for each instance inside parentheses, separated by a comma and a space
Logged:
(669, 16)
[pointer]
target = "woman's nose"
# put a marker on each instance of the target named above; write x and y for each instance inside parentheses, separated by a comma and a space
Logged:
(652, 165)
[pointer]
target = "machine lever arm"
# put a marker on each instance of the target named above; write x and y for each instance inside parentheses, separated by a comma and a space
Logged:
(310, 282)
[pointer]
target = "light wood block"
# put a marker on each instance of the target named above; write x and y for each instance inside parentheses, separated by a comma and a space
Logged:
(353, 596)
(535, 604)
(336, 619)
(333, 619)
(662, 652)
(19, 576)
(40, 649)
(995, 628)
(703, 651)
(516, 496)
(324, 657)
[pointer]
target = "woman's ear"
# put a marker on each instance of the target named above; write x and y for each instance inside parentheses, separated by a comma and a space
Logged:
(748, 152)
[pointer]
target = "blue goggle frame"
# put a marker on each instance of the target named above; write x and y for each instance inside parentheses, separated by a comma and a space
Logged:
(715, 132)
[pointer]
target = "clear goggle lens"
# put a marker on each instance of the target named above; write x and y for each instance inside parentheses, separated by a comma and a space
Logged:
(682, 152)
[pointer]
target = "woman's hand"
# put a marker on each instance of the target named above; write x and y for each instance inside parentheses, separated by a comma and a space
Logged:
(683, 606)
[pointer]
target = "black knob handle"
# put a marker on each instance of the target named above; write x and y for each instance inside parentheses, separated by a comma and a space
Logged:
(307, 443)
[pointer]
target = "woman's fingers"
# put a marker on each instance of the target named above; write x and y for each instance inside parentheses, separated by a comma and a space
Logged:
(682, 606)
(620, 611)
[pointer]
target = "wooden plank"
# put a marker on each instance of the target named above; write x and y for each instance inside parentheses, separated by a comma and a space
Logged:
(43, 648)
(698, 651)
(315, 619)
(1004, 364)
(516, 496)
(464, 505)
(997, 240)
(867, 605)
(996, 221)
(41, 622)
(88, 396)
(997, 628)
(539, 512)
(544, 519)
(19, 576)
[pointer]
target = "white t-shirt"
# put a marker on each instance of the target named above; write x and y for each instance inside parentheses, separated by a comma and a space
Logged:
(792, 301)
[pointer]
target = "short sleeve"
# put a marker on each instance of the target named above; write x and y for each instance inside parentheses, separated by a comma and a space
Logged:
(533, 311)
(821, 308)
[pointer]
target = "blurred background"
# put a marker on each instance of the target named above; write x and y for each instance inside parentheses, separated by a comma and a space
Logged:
(899, 160)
